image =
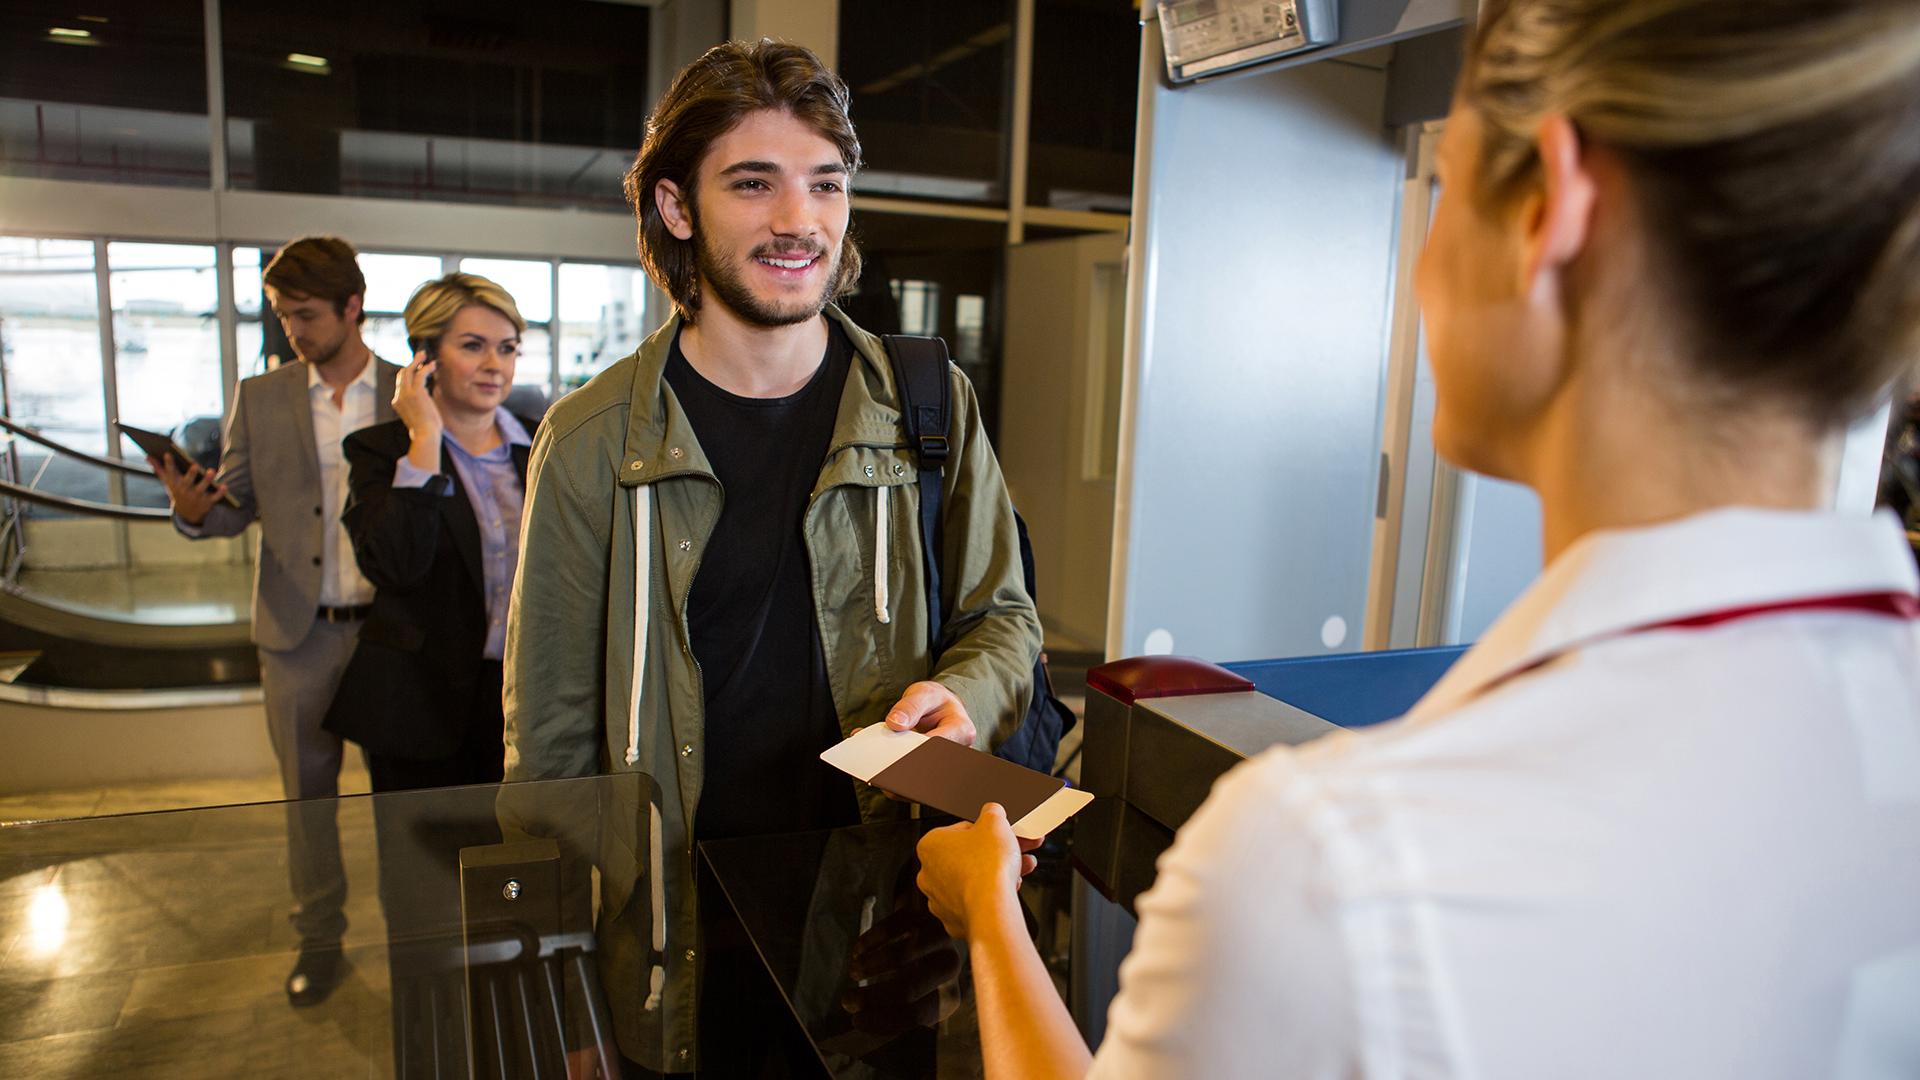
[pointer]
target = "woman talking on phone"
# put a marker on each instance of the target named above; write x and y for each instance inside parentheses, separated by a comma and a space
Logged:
(433, 510)
(1663, 819)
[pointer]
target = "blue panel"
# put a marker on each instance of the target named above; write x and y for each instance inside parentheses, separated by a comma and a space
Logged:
(1353, 690)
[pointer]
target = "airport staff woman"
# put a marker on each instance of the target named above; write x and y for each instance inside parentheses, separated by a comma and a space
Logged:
(1664, 818)
(434, 514)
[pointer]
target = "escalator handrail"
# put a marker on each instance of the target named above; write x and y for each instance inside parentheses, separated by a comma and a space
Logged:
(83, 506)
(91, 459)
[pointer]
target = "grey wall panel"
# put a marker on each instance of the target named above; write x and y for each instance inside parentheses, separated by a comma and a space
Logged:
(1269, 240)
(1497, 557)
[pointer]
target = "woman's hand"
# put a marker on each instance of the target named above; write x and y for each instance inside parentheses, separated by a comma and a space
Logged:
(968, 871)
(415, 406)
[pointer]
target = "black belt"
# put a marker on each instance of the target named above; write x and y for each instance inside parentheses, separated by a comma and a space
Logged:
(344, 614)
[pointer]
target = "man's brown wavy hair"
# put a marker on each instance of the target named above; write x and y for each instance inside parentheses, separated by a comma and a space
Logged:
(706, 100)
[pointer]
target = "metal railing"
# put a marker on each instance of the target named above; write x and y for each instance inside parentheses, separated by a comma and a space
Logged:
(18, 491)
(13, 489)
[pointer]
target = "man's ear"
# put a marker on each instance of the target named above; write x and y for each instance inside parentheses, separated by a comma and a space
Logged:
(668, 199)
(350, 311)
(1559, 215)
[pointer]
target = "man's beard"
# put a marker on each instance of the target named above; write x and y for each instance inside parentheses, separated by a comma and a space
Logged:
(322, 353)
(727, 282)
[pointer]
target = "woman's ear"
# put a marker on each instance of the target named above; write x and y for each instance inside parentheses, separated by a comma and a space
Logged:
(1559, 215)
(672, 204)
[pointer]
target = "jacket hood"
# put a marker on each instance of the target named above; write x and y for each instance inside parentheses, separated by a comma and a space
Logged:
(660, 440)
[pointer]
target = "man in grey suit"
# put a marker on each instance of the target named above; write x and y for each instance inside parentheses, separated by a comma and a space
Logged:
(282, 466)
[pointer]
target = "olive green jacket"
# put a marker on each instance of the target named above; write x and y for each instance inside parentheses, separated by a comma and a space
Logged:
(617, 458)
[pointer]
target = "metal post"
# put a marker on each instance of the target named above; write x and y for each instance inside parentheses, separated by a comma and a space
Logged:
(553, 335)
(110, 389)
(229, 325)
(1022, 117)
(216, 106)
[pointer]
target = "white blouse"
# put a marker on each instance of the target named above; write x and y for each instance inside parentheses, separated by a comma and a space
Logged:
(1602, 846)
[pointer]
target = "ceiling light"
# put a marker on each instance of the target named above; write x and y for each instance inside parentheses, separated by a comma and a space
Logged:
(306, 60)
(68, 32)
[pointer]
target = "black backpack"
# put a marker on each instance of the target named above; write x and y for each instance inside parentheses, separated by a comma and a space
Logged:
(920, 371)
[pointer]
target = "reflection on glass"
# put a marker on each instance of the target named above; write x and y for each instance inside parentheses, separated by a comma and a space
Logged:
(530, 283)
(601, 318)
(165, 333)
(969, 328)
(118, 95)
(50, 308)
(930, 84)
(919, 306)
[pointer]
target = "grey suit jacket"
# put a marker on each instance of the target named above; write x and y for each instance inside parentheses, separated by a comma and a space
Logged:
(271, 468)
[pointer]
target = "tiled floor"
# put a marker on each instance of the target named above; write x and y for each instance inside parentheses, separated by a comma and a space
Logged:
(156, 944)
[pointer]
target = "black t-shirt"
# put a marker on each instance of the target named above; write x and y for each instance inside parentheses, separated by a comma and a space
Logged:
(769, 707)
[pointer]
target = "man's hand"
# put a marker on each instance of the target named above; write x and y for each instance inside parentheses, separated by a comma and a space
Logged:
(966, 870)
(932, 709)
(192, 493)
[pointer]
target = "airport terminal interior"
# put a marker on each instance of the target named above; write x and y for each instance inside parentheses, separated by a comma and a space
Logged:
(1078, 196)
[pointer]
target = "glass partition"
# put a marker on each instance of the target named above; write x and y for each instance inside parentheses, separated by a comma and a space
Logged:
(1086, 75)
(489, 101)
(157, 944)
(932, 86)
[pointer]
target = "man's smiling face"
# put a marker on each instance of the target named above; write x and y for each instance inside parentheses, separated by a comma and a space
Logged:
(768, 215)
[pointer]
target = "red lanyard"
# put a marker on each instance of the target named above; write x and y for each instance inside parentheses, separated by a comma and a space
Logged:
(1895, 604)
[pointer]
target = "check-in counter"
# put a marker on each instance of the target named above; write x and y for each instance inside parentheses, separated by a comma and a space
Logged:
(1161, 729)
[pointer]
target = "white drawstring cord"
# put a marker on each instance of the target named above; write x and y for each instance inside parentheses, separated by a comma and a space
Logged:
(642, 590)
(657, 978)
(880, 555)
(642, 593)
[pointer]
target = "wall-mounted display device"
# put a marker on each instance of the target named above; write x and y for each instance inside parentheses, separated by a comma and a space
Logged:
(1206, 37)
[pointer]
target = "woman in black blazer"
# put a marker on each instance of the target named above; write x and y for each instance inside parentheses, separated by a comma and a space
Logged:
(434, 514)
(433, 509)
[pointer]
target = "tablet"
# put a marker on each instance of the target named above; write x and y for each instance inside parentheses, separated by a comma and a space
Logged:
(161, 446)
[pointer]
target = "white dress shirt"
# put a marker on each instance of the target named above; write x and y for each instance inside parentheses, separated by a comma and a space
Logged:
(341, 583)
(1594, 849)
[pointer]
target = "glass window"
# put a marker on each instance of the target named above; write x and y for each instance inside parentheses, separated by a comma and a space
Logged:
(391, 279)
(601, 318)
(531, 285)
(50, 360)
(1086, 73)
(166, 334)
(494, 101)
(931, 83)
(50, 324)
(247, 297)
(113, 90)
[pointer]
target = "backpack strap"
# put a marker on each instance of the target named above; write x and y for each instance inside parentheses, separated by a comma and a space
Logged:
(920, 373)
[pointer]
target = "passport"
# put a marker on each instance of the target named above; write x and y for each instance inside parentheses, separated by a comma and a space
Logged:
(956, 780)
